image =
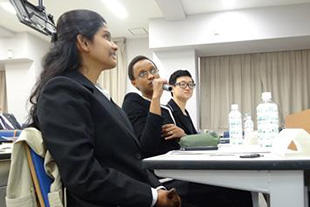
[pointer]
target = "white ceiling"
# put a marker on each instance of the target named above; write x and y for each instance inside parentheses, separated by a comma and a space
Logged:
(205, 6)
(140, 12)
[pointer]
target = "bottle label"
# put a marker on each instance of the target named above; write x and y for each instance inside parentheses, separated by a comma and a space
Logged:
(267, 123)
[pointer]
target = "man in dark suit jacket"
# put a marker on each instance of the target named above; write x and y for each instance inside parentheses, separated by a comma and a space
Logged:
(8, 121)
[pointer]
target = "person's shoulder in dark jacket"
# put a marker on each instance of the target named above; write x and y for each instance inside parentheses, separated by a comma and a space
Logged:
(130, 99)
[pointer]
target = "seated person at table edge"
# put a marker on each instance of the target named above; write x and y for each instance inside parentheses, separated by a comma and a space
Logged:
(90, 137)
(182, 90)
(145, 112)
(8, 121)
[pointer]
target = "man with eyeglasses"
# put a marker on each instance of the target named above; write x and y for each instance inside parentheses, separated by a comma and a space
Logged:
(153, 125)
(145, 112)
(182, 90)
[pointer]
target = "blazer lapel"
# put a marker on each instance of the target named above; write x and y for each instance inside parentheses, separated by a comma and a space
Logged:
(108, 104)
(125, 118)
(121, 118)
(178, 115)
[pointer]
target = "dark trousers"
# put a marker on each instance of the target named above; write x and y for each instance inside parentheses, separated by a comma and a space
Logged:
(199, 195)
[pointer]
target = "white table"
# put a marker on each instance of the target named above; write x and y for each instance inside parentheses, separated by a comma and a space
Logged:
(282, 178)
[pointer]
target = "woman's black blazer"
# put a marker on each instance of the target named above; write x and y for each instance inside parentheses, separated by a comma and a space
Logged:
(94, 145)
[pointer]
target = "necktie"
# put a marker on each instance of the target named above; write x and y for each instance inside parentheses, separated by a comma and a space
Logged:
(6, 126)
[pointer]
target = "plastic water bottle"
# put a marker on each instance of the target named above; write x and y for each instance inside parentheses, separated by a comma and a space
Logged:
(235, 125)
(267, 120)
(248, 126)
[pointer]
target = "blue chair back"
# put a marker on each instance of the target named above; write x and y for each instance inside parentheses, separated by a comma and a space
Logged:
(41, 180)
(5, 135)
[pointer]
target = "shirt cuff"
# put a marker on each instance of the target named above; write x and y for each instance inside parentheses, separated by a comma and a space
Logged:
(155, 194)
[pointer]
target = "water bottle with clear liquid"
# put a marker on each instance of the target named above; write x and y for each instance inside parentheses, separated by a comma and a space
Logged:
(267, 120)
(235, 125)
(248, 126)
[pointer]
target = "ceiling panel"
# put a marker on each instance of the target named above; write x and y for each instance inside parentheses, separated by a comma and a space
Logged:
(204, 6)
(140, 12)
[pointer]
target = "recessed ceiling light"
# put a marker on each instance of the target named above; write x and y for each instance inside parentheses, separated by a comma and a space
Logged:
(138, 31)
(117, 8)
(7, 6)
(229, 4)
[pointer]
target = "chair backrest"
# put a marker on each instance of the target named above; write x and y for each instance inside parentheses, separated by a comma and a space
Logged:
(299, 120)
(7, 135)
(226, 134)
(41, 180)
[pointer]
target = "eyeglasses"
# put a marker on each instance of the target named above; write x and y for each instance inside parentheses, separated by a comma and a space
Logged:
(183, 85)
(144, 74)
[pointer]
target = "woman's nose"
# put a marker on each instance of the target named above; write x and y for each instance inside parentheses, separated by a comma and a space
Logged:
(150, 76)
(114, 46)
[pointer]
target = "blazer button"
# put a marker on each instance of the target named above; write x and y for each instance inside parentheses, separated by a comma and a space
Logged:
(138, 156)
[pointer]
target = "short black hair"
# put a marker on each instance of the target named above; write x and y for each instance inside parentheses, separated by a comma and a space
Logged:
(134, 61)
(179, 73)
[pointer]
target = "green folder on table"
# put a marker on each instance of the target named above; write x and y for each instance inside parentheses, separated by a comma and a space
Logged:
(199, 140)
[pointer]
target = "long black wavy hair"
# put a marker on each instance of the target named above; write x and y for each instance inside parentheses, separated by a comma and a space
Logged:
(63, 56)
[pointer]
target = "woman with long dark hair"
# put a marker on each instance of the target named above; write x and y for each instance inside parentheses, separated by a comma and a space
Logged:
(89, 136)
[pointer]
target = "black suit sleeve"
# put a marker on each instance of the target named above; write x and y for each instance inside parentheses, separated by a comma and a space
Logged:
(63, 112)
(147, 126)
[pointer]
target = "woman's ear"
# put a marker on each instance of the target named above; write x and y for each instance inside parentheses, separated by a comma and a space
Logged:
(82, 43)
(133, 82)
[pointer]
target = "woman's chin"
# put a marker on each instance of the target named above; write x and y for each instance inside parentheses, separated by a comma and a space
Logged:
(110, 66)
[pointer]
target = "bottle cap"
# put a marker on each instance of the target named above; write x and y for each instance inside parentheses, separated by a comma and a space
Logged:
(234, 106)
(266, 95)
